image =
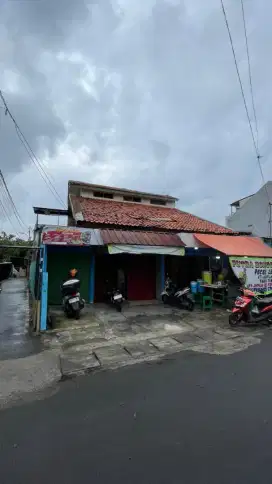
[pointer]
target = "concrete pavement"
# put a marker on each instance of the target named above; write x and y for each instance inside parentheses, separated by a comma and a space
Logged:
(15, 341)
(106, 339)
(25, 367)
(193, 418)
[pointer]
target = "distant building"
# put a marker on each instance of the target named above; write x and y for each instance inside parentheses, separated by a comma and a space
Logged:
(252, 214)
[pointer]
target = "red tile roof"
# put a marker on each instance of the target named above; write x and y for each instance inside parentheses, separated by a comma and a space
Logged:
(101, 212)
(137, 237)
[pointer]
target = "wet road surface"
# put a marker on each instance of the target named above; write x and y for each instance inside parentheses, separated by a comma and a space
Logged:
(194, 418)
(15, 341)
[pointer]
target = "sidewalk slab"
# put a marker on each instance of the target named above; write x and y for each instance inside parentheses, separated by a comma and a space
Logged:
(188, 338)
(141, 349)
(166, 344)
(227, 333)
(110, 355)
(77, 362)
(208, 335)
(200, 323)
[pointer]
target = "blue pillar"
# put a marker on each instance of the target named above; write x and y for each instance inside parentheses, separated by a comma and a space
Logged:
(44, 289)
(92, 279)
(162, 271)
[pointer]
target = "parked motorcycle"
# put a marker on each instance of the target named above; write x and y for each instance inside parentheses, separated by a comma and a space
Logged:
(72, 302)
(116, 298)
(179, 297)
(251, 308)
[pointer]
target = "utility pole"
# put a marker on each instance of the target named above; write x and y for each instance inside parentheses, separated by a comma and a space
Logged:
(270, 225)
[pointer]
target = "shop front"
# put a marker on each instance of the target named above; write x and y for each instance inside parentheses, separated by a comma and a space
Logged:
(134, 275)
(134, 262)
(235, 260)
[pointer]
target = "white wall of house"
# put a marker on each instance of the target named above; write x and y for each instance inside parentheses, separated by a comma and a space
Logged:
(242, 202)
(120, 196)
(253, 215)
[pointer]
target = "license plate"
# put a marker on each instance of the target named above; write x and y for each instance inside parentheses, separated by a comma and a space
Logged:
(117, 297)
(73, 300)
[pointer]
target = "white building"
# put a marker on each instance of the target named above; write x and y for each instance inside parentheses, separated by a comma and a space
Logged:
(253, 213)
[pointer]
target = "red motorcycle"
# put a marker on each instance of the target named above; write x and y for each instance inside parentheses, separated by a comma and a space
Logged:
(251, 308)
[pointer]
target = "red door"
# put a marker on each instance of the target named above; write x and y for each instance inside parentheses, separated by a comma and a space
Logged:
(141, 279)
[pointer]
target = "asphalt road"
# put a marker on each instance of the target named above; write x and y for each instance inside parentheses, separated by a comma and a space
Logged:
(192, 419)
(15, 341)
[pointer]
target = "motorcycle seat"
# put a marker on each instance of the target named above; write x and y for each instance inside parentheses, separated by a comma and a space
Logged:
(264, 301)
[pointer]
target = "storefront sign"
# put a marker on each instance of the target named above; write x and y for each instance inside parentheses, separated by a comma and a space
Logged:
(70, 236)
(256, 272)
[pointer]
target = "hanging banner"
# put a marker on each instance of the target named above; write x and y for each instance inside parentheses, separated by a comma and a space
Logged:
(145, 249)
(256, 272)
(70, 236)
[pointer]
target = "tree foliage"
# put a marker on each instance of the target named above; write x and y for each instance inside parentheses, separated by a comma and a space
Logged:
(11, 240)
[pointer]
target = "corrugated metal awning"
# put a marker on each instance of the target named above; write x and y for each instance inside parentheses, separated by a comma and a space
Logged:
(236, 245)
(134, 237)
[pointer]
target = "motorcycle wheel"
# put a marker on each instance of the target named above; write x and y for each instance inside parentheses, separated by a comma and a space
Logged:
(77, 314)
(191, 306)
(164, 299)
(119, 308)
(67, 313)
(234, 319)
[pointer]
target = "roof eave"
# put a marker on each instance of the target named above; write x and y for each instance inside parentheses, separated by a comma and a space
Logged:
(125, 190)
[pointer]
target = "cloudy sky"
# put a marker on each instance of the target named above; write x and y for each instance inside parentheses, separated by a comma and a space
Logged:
(137, 94)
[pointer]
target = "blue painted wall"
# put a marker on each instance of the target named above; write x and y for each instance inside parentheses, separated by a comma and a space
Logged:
(44, 290)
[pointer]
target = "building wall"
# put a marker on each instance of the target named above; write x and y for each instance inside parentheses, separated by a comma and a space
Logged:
(253, 216)
(59, 261)
(242, 202)
(119, 197)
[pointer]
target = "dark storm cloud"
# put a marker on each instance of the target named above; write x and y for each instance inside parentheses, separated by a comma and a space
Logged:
(49, 22)
(29, 29)
(142, 94)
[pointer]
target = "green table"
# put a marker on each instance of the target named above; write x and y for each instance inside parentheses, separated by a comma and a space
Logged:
(216, 291)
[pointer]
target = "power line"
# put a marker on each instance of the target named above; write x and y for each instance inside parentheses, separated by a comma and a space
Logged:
(239, 78)
(5, 213)
(249, 74)
(33, 157)
(258, 156)
(17, 215)
(6, 206)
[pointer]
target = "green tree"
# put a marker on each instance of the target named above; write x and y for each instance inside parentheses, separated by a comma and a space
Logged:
(11, 240)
